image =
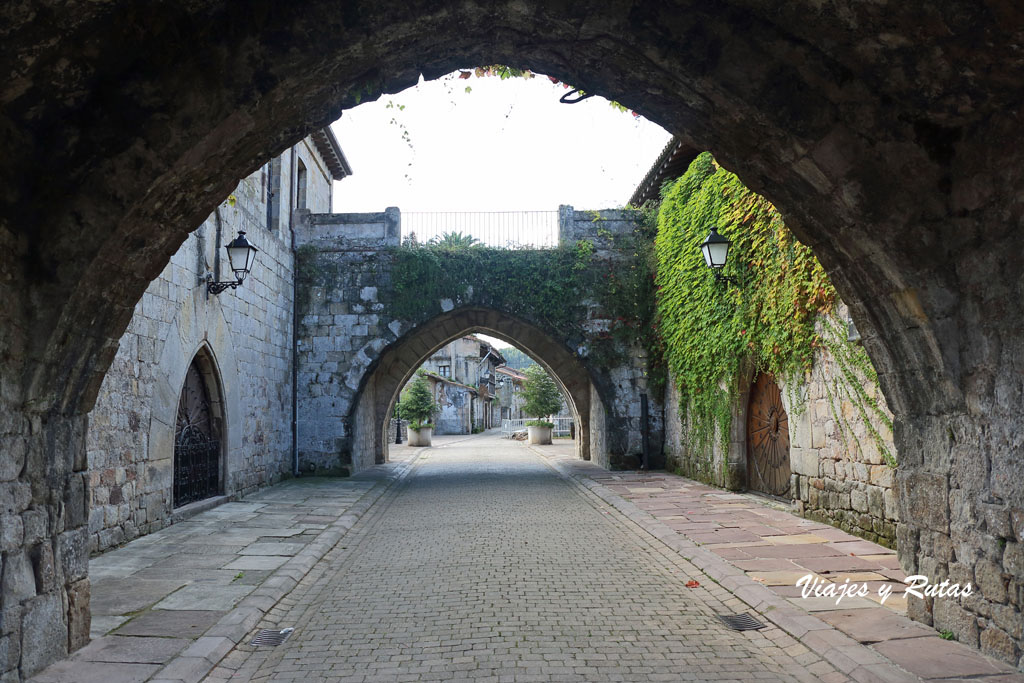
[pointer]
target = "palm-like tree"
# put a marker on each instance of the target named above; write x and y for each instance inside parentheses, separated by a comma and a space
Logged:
(455, 240)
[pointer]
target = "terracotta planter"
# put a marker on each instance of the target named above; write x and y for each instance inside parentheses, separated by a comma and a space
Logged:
(540, 436)
(420, 437)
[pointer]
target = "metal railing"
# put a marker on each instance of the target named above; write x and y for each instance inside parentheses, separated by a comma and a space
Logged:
(501, 229)
(563, 426)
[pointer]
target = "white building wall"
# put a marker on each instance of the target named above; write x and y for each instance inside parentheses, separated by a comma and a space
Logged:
(248, 333)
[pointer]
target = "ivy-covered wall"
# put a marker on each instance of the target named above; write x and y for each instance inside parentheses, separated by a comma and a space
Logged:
(781, 316)
(842, 453)
(371, 310)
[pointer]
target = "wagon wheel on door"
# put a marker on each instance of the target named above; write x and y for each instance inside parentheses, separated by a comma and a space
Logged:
(767, 439)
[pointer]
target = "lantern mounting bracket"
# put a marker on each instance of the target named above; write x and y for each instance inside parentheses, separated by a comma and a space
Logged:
(218, 287)
(725, 278)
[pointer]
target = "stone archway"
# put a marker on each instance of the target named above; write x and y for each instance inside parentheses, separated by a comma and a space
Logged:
(397, 363)
(888, 136)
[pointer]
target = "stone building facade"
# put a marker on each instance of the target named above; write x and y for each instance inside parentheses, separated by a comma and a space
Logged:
(458, 405)
(463, 381)
(509, 391)
(237, 345)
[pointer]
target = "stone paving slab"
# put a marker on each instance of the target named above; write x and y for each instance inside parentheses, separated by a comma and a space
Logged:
(132, 650)
(167, 605)
(667, 503)
(181, 623)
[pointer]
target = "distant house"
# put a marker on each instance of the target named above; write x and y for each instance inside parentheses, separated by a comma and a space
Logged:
(462, 375)
(510, 393)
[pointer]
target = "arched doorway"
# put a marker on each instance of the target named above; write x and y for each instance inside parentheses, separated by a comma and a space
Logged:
(767, 439)
(198, 436)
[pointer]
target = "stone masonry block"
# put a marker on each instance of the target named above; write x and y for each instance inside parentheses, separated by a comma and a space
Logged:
(11, 532)
(19, 581)
(948, 615)
(998, 644)
(804, 461)
(44, 633)
(73, 551)
(990, 580)
(79, 617)
(925, 496)
(881, 475)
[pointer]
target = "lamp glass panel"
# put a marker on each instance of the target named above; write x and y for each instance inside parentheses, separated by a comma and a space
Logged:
(239, 257)
(715, 253)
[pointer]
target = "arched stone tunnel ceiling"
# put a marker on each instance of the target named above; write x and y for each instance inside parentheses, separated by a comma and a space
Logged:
(399, 361)
(888, 134)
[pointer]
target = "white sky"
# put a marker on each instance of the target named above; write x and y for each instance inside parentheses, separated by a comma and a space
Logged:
(506, 146)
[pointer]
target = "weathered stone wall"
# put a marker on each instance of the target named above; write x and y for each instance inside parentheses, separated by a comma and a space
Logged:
(839, 472)
(353, 350)
(246, 335)
(456, 410)
(838, 447)
(44, 547)
(340, 331)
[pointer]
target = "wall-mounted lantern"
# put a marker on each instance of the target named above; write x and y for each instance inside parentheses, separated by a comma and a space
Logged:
(716, 252)
(241, 255)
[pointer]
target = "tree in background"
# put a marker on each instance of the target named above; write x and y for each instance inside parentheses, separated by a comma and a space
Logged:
(417, 404)
(517, 359)
(541, 396)
(455, 240)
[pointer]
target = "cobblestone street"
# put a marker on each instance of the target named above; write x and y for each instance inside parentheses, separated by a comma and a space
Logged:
(487, 559)
(486, 565)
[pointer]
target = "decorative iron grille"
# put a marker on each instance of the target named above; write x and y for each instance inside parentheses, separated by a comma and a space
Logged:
(196, 444)
(196, 467)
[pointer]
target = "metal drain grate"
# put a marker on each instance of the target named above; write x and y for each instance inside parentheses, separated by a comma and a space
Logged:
(270, 637)
(740, 622)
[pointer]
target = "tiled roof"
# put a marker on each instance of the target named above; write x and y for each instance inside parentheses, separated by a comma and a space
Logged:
(330, 150)
(670, 164)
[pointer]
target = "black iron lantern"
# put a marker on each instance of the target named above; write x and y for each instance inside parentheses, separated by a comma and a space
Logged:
(241, 256)
(716, 252)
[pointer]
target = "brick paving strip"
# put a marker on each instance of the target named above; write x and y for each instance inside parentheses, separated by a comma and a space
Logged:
(758, 550)
(168, 606)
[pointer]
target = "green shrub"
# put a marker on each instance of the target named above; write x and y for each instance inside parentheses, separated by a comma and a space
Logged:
(417, 404)
(541, 396)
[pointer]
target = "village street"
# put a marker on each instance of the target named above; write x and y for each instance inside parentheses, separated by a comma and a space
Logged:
(484, 559)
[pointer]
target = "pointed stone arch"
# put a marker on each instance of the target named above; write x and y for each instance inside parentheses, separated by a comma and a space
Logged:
(396, 363)
(198, 461)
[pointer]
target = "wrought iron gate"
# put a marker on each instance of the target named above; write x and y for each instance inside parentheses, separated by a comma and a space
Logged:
(196, 443)
(767, 439)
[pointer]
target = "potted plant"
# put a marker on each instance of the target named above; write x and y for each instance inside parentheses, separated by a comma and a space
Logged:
(418, 407)
(541, 398)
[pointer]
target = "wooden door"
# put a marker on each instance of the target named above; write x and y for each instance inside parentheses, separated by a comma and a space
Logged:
(767, 439)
